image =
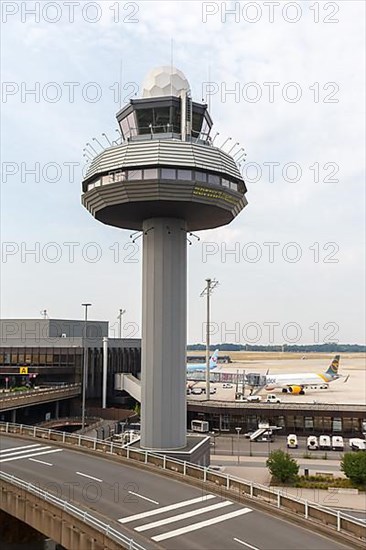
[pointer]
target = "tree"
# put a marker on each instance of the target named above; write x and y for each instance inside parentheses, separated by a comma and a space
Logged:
(354, 466)
(282, 466)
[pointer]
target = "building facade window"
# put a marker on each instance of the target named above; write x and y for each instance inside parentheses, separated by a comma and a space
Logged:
(214, 179)
(168, 174)
(184, 174)
(201, 176)
(134, 175)
(336, 424)
(150, 173)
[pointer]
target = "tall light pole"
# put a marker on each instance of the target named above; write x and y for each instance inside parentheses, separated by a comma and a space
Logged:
(85, 366)
(210, 285)
(121, 313)
(238, 430)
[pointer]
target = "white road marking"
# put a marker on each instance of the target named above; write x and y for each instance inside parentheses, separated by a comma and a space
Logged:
(90, 477)
(18, 449)
(180, 504)
(40, 461)
(246, 544)
(141, 496)
(200, 525)
(18, 457)
(185, 515)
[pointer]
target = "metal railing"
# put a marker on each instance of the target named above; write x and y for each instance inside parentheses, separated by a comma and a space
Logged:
(278, 406)
(75, 511)
(276, 498)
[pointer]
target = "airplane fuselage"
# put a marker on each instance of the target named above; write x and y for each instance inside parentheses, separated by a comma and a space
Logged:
(296, 379)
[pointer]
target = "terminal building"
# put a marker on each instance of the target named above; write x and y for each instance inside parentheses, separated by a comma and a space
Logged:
(51, 351)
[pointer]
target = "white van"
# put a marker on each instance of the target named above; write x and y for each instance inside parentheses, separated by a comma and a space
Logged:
(272, 398)
(324, 442)
(292, 441)
(337, 443)
(357, 444)
(312, 443)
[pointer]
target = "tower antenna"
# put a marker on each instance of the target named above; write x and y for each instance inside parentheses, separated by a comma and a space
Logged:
(120, 83)
(209, 95)
(171, 63)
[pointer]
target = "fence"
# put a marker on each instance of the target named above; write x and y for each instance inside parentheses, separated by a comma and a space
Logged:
(276, 498)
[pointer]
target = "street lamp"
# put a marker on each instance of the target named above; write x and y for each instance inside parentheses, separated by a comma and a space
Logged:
(85, 367)
(238, 430)
(210, 285)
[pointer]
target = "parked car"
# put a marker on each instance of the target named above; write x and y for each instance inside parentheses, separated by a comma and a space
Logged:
(253, 398)
(325, 442)
(196, 391)
(337, 443)
(226, 385)
(272, 398)
(312, 443)
(357, 444)
(292, 442)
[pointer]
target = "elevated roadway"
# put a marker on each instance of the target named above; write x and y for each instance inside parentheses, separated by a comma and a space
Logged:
(155, 510)
(17, 400)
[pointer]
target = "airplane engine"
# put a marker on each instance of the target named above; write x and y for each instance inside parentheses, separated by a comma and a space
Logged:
(296, 390)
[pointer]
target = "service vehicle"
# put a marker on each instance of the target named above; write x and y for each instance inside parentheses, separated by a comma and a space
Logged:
(357, 444)
(273, 398)
(253, 398)
(325, 442)
(199, 426)
(312, 443)
(337, 443)
(292, 442)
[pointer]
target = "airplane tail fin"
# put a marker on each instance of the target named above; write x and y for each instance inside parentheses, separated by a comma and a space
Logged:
(213, 359)
(333, 367)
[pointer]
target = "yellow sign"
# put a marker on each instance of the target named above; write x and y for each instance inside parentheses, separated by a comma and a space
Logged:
(23, 370)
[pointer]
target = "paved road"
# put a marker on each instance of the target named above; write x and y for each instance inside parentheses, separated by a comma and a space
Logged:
(167, 512)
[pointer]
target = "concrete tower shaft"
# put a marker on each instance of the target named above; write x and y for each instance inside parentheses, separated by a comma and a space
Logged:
(164, 337)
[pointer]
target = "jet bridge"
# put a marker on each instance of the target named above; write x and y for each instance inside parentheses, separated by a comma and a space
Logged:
(255, 379)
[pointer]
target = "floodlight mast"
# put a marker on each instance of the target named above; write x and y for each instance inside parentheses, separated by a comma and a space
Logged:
(210, 285)
(164, 179)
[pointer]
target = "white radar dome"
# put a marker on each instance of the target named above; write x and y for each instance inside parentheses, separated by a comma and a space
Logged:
(164, 81)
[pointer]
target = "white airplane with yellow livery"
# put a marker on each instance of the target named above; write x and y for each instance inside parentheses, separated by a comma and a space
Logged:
(297, 383)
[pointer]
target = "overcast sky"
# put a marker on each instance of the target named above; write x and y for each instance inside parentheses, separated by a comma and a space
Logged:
(296, 73)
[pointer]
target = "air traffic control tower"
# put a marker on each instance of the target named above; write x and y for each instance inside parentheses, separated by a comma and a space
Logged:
(165, 179)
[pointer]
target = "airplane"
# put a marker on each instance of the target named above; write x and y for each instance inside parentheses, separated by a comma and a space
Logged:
(197, 367)
(297, 383)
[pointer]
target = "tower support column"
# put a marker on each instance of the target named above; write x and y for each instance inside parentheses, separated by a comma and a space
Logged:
(164, 334)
